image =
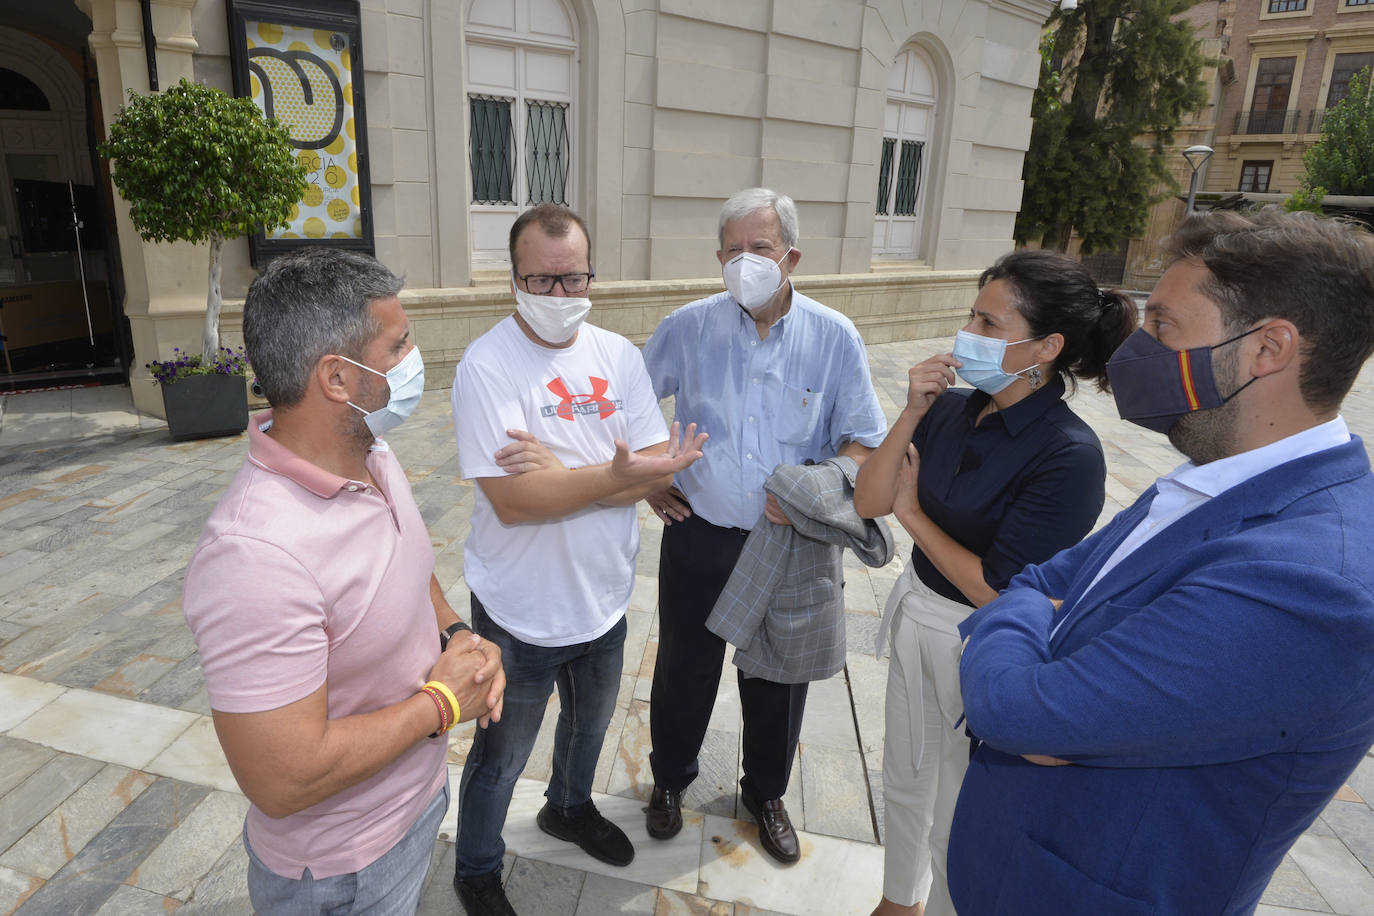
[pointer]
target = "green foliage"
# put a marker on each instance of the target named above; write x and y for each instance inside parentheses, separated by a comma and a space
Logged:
(1111, 71)
(194, 162)
(1305, 199)
(1342, 161)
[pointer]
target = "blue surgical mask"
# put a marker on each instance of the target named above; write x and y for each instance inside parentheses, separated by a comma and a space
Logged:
(407, 382)
(982, 361)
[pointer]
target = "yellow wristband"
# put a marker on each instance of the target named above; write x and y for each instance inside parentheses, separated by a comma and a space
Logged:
(452, 700)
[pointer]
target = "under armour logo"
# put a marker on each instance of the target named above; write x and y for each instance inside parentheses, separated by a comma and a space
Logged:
(571, 404)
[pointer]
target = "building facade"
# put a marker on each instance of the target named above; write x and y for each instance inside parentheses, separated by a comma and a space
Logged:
(1282, 64)
(899, 126)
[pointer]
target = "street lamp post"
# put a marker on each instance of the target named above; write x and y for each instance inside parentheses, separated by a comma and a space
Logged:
(1196, 156)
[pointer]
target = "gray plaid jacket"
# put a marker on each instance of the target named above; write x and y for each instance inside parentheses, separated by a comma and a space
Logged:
(783, 607)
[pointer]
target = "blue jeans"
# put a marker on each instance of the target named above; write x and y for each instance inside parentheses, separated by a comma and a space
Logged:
(390, 886)
(588, 678)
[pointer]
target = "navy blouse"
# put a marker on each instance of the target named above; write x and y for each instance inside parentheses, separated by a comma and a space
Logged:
(1015, 489)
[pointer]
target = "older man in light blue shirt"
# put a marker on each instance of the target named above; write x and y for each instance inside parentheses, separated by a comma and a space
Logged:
(775, 378)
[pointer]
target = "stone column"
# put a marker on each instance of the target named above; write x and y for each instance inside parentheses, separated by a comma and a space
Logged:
(165, 284)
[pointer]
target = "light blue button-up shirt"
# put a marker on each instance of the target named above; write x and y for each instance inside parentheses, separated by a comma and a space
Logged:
(801, 393)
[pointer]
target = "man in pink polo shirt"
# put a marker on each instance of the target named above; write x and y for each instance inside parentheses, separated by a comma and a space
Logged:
(314, 605)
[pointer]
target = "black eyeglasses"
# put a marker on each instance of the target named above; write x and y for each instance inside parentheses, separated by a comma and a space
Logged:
(542, 284)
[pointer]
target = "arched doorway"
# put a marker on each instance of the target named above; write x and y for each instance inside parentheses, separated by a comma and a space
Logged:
(908, 126)
(56, 316)
(521, 84)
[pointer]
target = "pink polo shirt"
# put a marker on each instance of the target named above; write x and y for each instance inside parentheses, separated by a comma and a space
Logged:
(302, 578)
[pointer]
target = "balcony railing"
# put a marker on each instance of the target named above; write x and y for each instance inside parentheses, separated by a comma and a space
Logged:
(1268, 122)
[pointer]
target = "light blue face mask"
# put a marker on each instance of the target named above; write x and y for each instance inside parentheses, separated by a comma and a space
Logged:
(407, 382)
(982, 361)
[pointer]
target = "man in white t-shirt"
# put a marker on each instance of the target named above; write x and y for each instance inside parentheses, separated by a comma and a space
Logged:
(558, 423)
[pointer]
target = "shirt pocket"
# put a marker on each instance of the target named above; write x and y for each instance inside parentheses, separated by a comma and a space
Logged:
(799, 414)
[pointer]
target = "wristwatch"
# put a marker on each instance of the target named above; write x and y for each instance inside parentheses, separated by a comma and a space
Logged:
(447, 634)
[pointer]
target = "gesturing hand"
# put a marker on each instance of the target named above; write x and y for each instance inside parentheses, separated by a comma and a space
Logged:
(629, 468)
(525, 454)
(927, 380)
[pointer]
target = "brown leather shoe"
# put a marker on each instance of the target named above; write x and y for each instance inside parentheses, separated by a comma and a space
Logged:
(775, 828)
(664, 814)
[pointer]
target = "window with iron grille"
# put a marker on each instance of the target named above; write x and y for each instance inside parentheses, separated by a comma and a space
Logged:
(908, 178)
(1254, 175)
(546, 152)
(885, 174)
(1342, 69)
(491, 150)
(1287, 6)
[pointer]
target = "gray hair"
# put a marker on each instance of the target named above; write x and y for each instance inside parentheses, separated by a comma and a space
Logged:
(306, 305)
(752, 200)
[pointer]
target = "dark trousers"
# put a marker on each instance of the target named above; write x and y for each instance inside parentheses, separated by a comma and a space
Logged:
(694, 564)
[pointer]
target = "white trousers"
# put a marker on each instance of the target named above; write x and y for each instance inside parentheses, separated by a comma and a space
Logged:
(924, 755)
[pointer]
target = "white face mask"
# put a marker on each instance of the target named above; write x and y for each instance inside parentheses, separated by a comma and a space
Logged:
(553, 319)
(752, 279)
(406, 380)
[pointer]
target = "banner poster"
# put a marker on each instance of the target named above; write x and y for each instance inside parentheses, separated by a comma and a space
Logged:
(303, 77)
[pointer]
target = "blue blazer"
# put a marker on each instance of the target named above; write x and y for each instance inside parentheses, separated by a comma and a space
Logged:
(1213, 692)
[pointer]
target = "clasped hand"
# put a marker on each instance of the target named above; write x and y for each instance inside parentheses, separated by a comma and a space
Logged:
(471, 668)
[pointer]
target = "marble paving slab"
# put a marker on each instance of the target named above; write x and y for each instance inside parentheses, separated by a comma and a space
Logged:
(104, 727)
(836, 877)
(21, 697)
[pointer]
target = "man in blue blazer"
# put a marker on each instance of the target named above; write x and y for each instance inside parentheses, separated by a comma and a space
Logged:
(1163, 709)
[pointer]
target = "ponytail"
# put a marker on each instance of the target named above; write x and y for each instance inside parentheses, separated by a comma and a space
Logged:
(1117, 320)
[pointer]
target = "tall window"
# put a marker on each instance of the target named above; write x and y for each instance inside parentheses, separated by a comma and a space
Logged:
(1269, 104)
(1254, 175)
(1342, 69)
(908, 121)
(521, 84)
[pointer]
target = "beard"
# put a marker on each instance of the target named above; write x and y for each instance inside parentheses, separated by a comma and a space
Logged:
(356, 424)
(1207, 435)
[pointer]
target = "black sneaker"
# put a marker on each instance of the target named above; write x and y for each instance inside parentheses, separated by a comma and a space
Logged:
(483, 895)
(594, 835)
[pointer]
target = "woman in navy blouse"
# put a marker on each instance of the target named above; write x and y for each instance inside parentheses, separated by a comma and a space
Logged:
(986, 480)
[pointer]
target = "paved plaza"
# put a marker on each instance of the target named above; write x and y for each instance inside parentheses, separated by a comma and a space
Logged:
(115, 798)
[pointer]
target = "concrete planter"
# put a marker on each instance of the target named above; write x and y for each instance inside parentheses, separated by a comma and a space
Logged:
(206, 406)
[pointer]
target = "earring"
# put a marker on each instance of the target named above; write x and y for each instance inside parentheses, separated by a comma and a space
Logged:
(1035, 377)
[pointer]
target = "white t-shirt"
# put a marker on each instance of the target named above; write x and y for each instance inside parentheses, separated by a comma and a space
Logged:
(565, 581)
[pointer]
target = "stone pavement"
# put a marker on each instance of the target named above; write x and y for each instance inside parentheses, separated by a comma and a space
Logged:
(115, 799)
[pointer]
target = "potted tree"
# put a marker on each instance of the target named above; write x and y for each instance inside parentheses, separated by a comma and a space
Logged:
(198, 165)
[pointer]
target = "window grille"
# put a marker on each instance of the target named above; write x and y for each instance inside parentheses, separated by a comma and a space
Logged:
(547, 152)
(885, 174)
(491, 150)
(908, 178)
(1287, 6)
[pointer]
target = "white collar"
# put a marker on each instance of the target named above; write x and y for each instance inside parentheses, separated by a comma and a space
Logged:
(1224, 473)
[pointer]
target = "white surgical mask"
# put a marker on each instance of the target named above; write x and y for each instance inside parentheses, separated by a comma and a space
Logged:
(407, 382)
(752, 279)
(982, 361)
(553, 319)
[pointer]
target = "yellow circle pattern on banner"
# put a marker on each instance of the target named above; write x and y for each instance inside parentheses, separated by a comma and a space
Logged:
(331, 203)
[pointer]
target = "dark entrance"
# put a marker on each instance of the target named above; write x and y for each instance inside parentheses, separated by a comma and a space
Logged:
(60, 316)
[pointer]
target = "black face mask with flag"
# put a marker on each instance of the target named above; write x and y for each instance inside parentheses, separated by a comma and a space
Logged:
(1155, 385)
